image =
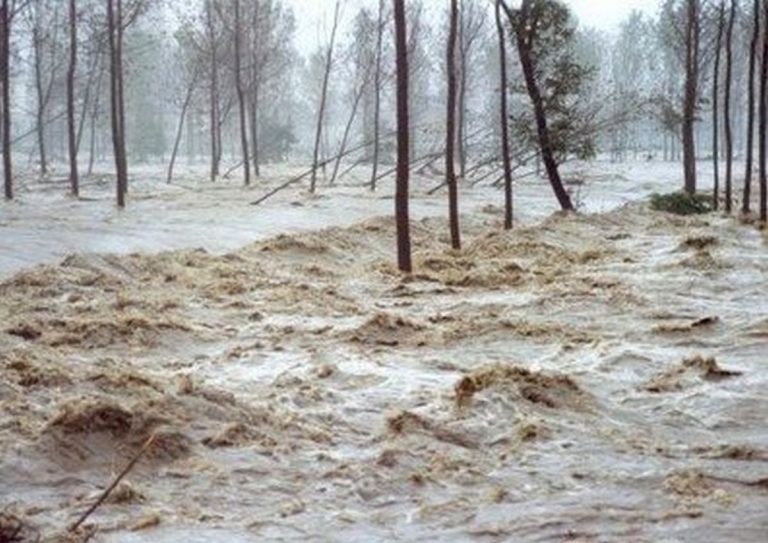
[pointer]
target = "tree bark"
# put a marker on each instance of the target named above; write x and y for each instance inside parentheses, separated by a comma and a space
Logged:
(214, 92)
(180, 129)
(324, 97)
(377, 96)
(113, 23)
(715, 106)
(750, 143)
(241, 96)
(40, 95)
(692, 35)
(763, 137)
(524, 47)
(74, 178)
(5, 74)
(727, 105)
(508, 197)
(401, 197)
(450, 137)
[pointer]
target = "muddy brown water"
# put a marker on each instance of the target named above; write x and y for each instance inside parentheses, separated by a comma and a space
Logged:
(587, 378)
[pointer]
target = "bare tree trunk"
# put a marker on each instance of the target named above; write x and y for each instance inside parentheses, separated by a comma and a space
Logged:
(750, 143)
(715, 105)
(508, 200)
(254, 110)
(377, 96)
(241, 96)
(40, 94)
(462, 98)
(214, 97)
(763, 137)
(450, 136)
(727, 104)
(348, 128)
(94, 117)
(401, 197)
(5, 74)
(524, 48)
(74, 180)
(113, 23)
(122, 156)
(180, 129)
(324, 97)
(691, 96)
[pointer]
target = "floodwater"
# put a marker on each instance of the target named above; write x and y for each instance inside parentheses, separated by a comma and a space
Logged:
(594, 377)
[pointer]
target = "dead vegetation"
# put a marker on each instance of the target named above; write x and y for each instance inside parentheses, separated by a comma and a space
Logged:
(553, 391)
(688, 373)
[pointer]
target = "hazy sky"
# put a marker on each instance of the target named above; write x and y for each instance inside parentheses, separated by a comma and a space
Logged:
(602, 14)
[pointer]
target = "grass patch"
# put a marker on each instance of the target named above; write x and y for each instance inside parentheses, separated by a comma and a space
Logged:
(681, 203)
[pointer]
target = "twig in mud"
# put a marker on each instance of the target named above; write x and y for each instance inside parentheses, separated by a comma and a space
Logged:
(115, 482)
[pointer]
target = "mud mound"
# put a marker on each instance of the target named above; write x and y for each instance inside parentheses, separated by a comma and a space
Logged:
(548, 390)
(97, 332)
(688, 373)
(385, 329)
(686, 327)
(92, 416)
(459, 271)
(699, 243)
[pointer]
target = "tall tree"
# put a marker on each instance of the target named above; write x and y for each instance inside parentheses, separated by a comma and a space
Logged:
(539, 25)
(240, 94)
(212, 37)
(6, 13)
(750, 143)
(324, 96)
(690, 103)
(377, 80)
(763, 137)
(727, 107)
(402, 219)
(74, 181)
(117, 103)
(450, 138)
(504, 116)
(715, 104)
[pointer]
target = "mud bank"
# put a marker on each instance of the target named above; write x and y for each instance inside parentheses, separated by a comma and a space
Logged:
(590, 378)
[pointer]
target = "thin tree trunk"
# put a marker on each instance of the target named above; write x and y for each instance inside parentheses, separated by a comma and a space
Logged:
(241, 96)
(180, 129)
(401, 196)
(462, 97)
(508, 198)
(123, 155)
(727, 105)
(715, 106)
(5, 74)
(214, 96)
(377, 97)
(40, 94)
(324, 97)
(746, 202)
(74, 180)
(524, 47)
(348, 128)
(450, 137)
(763, 137)
(691, 97)
(112, 23)
(94, 117)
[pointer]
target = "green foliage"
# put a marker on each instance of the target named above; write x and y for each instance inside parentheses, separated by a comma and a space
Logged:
(681, 203)
(563, 81)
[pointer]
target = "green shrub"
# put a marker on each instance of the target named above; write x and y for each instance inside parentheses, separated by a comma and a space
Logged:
(681, 203)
